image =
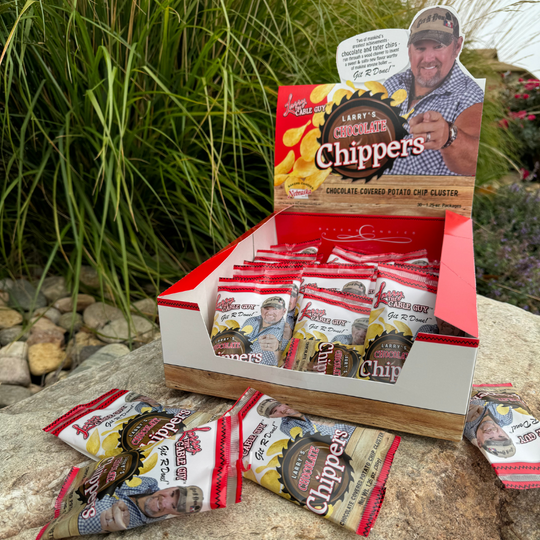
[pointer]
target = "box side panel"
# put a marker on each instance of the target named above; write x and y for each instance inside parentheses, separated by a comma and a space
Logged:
(435, 376)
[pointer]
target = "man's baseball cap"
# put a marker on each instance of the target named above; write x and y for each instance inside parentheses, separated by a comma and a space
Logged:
(190, 500)
(266, 407)
(354, 287)
(438, 24)
(274, 301)
(362, 323)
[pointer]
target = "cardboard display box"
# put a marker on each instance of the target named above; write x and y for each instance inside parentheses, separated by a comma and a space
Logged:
(348, 171)
(431, 395)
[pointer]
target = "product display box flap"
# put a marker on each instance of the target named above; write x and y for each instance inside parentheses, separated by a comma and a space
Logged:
(382, 161)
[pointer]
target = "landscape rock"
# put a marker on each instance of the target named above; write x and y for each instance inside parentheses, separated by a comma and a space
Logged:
(89, 277)
(53, 377)
(22, 295)
(6, 284)
(9, 318)
(67, 320)
(16, 348)
(14, 370)
(99, 314)
(119, 330)
(78, 343)
(86, 352)
(54, 288)
(35, 388)
(15, 333)
(10, 395)
(436, 489)
(146, 306)
(4, 299)
(45, 331)
(49, 312)
(45, 357)
(65, 305)
(103, 356)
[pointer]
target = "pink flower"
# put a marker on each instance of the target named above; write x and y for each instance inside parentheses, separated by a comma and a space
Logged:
(531, 117)
(522, 115)
(520, 79)
(514, 114)
(524, 173)
(503, 123)
(517, 96)
(530, 86)
(525, 96)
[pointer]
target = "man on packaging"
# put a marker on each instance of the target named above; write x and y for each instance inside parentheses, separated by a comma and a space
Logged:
(446, 103)
(266, 330)
(357, 335)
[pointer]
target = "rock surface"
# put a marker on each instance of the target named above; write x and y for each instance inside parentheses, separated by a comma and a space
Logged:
(119, 330)
(7, 335)
(45, 331)
(11, 395)
(65, 305)
(97, 315)
(69, 322)
(436, 489)
(9, 318)
(45, 357)
(54, 288)
(14, 370)
(103, 356)
(22, 295)
(49, 312)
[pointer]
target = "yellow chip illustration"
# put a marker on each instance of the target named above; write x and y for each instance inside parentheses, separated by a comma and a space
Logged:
(232, 324)
(279, 179)
(295, 431)
(110, 442)
(277, 447)
(328, 108)
(309, 145)
(374, 330)
(149, 464)
(374, 315)
(286, 165)
(274, 463)
(250, 475)
(376, 88)
(340, 94)
(304, 168)
(320, 335)
(292, 136)
(316, 179)
(134, 482)
(247, 329)
(318, 119)
(320, 92)
(351, 84)
(93, 444)
(399, 96)
(402, 327)
(271, 481)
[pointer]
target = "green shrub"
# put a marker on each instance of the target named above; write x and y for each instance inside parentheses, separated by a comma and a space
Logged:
(507, 246)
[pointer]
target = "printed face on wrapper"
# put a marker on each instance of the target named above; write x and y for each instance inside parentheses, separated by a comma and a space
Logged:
(272, 310)
(493, 439)
(173, 500)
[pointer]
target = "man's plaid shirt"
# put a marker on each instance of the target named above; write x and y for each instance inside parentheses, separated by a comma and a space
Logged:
(457, 93)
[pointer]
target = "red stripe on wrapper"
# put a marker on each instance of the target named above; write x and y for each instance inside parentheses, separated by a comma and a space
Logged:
(448, 340)
(218, 495)
(175, 303)
(65, 488)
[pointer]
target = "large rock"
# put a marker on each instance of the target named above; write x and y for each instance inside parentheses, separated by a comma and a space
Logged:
(80, 341)
(436, 489)
(71, 321)
(98, 315)
(89, 277)
(45, 331)
(49, 312)
(9, 318)
(65, 305)
(45, 357)
(14, 370)
(146, 306)
(103, 356)
(11, 395)
(119, 330)
(15, 333)
(23, 295)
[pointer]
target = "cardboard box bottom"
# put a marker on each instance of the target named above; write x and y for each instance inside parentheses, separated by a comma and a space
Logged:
(430, 423)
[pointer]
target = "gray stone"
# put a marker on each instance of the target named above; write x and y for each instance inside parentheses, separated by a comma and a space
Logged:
(54, 288)
(14, 370)
(89, 277)
(88, 351)
(78, 343)
(23, 296)
(65, 305)
(49, 312)
(67, 320)
(98, 315)
(436, 489)
(10, 395)
(6, 284)
(103, 356)
(146, 307)
(35, 388)
(45, 331)
(119, 330)
(15, 333)
(4, 299)
(16, 348)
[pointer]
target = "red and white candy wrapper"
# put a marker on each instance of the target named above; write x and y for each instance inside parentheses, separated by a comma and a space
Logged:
(343, 255)
(335, 470)
(250, 320)
(332, 316)
(266, 270)
(199, 470)
(310, 247)
(356, 283)
(431, 268)
(278, 257)
(121, 420)
(505, 430)
(403, 305)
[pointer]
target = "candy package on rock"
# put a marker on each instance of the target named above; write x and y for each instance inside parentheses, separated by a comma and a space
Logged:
(121, 420)
(335, 470)
(199, 470)
(250, 320)
(332, 316)
(505, 430)
(403, 305)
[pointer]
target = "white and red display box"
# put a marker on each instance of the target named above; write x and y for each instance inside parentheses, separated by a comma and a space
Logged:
(431, 395)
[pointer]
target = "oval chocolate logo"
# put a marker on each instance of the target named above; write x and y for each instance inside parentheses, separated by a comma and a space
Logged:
(231, 342)
(385, 356)
(316, 471)
(360, 137)
(335, 359)
(139, 431)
